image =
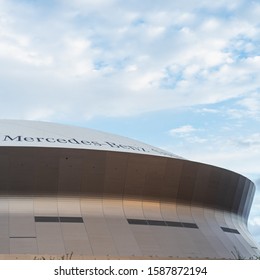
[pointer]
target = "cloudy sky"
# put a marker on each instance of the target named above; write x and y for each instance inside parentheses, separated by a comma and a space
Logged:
(181, 75)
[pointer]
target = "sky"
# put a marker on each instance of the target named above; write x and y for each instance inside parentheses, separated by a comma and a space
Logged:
(180, 75)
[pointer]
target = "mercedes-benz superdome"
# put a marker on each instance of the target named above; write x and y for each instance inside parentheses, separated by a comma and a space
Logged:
(66, 189)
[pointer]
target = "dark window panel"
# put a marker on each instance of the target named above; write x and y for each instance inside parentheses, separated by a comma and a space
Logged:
(156, 223)
(161, 223)
(22, 236)
(230, 230)
(189, 225)
(137, 222)
(44, 219)
(71, 220)
(173, 224)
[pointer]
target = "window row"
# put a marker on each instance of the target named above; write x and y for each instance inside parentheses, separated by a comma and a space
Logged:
(173, 224)
(57, 219)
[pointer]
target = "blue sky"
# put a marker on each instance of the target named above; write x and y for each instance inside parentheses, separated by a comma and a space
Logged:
(181, 75)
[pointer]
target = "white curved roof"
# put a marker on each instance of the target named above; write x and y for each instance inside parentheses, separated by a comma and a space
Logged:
(20, 133)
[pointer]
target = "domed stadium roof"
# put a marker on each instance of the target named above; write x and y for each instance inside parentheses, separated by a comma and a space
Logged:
(21, 133)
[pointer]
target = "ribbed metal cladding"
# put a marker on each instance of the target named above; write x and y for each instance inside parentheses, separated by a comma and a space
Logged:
(48, 171)
(100, 203)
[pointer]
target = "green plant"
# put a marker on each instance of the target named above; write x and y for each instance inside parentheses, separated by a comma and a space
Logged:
(238, 256)
(63, 257)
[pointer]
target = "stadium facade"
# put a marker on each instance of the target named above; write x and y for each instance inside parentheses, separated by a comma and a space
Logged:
(67, 189)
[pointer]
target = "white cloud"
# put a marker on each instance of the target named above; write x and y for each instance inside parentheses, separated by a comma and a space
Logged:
(40, 114)
(240, 154)
(88, 49)
(186, 129)
(251, 105)
(208, 110)
(255, 221)
(83, 59)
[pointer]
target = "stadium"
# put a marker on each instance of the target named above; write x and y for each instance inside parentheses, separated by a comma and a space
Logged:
(66, 189)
